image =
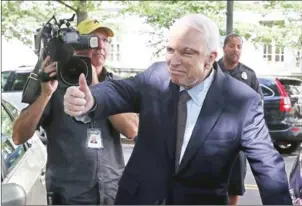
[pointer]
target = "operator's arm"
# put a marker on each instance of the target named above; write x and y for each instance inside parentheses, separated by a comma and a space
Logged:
(26, 124)
(126, 124)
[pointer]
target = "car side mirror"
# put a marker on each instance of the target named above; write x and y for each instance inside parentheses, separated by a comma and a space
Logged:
(13, 194)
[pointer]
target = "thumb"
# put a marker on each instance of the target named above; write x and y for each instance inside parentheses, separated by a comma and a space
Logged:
(83, 84)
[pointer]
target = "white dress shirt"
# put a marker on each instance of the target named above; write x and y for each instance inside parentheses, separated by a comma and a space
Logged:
(194, 105)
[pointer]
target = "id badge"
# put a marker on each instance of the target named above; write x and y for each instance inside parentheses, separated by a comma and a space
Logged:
(94, 138)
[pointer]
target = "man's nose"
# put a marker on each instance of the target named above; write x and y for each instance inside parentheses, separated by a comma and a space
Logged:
(174, 60)
(237, 49)
(102, 42)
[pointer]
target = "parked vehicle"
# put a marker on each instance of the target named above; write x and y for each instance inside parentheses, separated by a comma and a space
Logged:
(12, 83)
(282, 111)
(22, 166)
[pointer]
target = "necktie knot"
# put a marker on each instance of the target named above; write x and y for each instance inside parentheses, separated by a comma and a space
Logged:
(184, 96)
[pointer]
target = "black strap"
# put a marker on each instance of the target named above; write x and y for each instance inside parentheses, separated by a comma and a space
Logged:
(32, 86)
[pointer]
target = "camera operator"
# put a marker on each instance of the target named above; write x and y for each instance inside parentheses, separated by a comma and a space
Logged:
(78, 172)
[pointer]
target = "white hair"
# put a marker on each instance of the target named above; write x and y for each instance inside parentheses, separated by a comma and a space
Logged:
(206, 26)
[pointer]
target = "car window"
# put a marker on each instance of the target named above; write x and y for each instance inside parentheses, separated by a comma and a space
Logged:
(293, 87)
(4, 76)
(15, 82)
(19, 81)
(11, 153)
(11, 109)
(266, 81)
(266, 92)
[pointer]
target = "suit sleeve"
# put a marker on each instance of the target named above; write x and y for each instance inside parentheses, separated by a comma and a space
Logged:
(266, 163)
(119, 96)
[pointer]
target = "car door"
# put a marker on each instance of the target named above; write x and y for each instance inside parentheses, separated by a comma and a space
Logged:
(13, 87)
(22, 164)
(294, 89)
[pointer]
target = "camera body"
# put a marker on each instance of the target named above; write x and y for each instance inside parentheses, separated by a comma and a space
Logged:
(59, 40)
(60, 43)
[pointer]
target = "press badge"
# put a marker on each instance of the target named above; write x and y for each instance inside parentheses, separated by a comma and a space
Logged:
(94, 138)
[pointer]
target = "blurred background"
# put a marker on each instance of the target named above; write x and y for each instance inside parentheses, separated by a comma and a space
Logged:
(272, 30)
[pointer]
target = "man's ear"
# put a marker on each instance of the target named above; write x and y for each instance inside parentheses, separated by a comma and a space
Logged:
(210, 60)
(212, 57)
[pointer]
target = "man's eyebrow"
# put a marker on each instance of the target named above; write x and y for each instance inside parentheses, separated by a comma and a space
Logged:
(190, 49)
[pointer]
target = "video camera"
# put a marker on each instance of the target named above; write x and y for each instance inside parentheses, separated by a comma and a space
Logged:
(60, 44)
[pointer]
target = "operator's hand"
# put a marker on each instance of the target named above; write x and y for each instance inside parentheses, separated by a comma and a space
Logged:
(48, 88)
(78, 100)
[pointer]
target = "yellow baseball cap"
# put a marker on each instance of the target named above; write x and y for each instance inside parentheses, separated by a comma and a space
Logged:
(90, 25)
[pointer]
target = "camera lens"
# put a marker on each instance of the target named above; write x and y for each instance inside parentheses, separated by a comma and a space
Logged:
(71, 71)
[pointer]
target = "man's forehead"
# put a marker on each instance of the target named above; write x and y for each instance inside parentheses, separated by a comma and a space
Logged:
(100, 32)
(185, 36)
(235, 39)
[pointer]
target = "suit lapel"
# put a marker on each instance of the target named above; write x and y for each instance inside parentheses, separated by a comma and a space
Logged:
(210, 112)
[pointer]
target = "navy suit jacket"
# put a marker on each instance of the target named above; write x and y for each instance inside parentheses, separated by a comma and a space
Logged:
(230, 120)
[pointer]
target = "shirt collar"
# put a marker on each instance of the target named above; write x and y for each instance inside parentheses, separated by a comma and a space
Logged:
(221, 65)
(103, 75)
(196, 92)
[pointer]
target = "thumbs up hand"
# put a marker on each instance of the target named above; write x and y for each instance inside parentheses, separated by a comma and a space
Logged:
(78, 100)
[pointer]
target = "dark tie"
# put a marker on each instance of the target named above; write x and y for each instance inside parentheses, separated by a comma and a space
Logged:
(181, 124)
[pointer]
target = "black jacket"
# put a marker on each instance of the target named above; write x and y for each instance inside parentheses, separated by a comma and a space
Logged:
(243, 74)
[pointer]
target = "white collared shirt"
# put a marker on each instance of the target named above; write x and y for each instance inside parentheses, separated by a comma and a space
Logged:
(194, 105)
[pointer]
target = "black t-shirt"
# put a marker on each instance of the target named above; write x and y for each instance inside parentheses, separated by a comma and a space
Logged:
(72, 168)
(244, 74)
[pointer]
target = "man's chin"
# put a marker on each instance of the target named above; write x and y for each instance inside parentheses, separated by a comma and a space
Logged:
(176, 80)
(183, 83)
(98, 63)
(235, 60)
(179, 82)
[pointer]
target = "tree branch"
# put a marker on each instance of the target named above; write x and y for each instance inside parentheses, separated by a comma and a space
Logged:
(68, 6)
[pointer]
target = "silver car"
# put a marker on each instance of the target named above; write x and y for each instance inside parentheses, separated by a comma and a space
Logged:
(22, 166)
(12, 83)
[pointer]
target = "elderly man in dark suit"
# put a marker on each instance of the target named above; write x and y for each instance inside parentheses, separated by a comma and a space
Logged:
(194, 119)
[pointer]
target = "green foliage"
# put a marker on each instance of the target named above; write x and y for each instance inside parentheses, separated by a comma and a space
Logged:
(20, 19)
(15, 14)
(161, 14)
(292, 30)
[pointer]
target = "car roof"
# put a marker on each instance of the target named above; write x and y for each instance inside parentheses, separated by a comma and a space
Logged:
(279, 77)
(20, 69)
(290, 78)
